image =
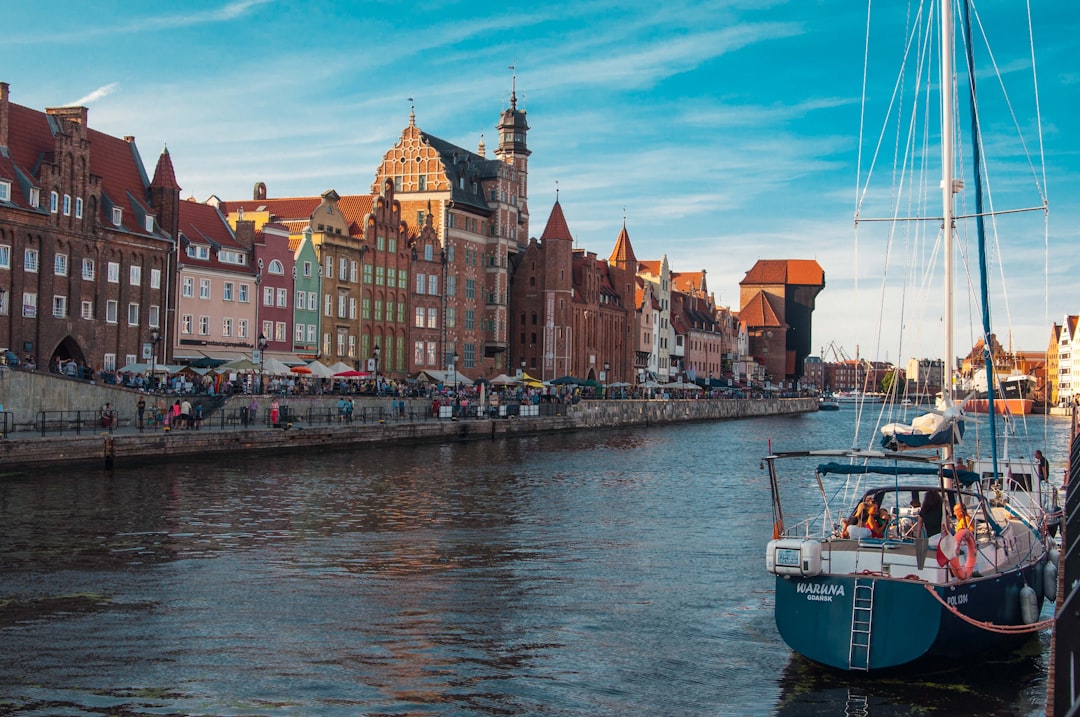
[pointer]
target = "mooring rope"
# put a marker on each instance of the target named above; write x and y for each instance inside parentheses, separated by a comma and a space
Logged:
(1003, 629)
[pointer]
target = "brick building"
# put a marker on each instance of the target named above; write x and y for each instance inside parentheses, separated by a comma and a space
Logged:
(776, 299)
(85, 239)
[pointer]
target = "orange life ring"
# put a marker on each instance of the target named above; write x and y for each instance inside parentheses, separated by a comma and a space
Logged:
(963, 572)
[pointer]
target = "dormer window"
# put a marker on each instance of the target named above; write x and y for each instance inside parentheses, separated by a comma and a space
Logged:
(117, 216)
(35, 197)
(5, 190)
(198, 252)
(148, 224)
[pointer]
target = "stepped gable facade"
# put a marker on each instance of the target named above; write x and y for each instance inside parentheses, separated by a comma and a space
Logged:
(86, 240)
(776, 299)
(479, 211)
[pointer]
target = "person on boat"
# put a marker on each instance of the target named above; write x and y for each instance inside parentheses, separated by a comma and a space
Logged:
(930, 514)
(1042, 466)
(963, 520)
(868, 515)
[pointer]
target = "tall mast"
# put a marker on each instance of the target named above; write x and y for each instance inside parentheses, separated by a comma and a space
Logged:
(947, 187)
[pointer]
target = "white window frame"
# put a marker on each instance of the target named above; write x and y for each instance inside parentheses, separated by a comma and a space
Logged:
(86, 311)
(5, 256)
(187, 287)
(30, 260)
(155, 278)
(89, 271)
(114, 272)
(60, 264)
(112, 311)
(5, 190)
(282, 298)
(153, 319)
(78, 207)
(204, 289)
(117, 216)
(67, 205)
(133, 314)
(204, 325)
(54, 202)
(135, 275)
(59, 307)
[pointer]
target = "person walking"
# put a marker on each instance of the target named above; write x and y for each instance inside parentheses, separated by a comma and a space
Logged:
(140, 409)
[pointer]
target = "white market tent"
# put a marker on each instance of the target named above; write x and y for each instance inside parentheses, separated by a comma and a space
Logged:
(320, 370)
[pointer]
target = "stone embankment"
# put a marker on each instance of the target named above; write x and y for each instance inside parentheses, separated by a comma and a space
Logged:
(128, 446)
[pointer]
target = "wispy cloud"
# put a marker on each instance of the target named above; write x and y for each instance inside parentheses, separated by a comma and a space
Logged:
(95, 95)
(225, 13)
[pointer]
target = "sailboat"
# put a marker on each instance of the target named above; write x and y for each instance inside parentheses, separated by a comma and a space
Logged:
(917, 554)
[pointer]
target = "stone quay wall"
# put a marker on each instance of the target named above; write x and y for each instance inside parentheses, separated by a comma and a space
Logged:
(101, 448)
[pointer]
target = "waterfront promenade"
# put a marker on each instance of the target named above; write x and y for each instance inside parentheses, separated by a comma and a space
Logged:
(67, 428)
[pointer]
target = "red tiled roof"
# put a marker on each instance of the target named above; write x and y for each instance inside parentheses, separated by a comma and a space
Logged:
(123, 177)
(688, 281)
(164, 175)
(623, 253)
(556, 226)
(801, 272)
(204, 224)
(295, 212)
(649, 267)
(760, 312)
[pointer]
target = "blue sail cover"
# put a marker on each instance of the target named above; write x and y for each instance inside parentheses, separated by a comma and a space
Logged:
(945, 436)
(965, 477)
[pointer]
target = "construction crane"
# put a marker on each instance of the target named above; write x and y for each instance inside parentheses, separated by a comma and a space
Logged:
(838, 353)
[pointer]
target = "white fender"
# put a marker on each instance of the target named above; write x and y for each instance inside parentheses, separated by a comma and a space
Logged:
(1050, 580)
(1055, 556)
(1029, 605)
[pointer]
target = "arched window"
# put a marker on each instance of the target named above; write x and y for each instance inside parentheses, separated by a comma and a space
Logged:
(276, 267)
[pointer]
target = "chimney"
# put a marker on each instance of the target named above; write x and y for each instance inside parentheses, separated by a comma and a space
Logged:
(5, 89)
(245, 232)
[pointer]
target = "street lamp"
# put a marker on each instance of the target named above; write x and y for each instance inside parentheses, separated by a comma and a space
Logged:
(375, 353)
(607, 377)
(263, 345)
(453, 367)
(155, 338)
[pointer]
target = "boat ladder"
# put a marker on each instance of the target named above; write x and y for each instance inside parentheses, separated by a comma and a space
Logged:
(862, 613)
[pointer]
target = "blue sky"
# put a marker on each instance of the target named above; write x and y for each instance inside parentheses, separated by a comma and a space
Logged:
(725, 132)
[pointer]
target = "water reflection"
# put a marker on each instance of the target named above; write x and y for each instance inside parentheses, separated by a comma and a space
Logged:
(600, 573)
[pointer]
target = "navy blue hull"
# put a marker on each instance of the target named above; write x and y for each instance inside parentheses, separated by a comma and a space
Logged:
(817, 618)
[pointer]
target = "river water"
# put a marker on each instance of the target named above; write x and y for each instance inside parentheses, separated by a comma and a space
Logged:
(597, 573)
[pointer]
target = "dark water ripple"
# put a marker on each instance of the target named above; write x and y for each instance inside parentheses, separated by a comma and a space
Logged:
(601, 573)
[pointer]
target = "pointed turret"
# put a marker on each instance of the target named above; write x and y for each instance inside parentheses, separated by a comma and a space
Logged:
(556, 226)
(164, 195)
(622, 255)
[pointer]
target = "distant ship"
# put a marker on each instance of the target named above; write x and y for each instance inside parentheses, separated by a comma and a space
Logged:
(1015, 394)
